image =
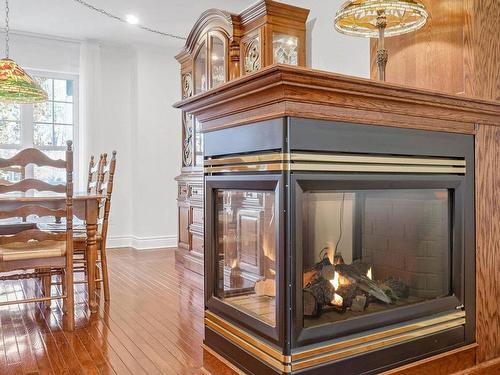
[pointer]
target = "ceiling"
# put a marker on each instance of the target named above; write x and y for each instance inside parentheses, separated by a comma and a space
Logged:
(69, 19)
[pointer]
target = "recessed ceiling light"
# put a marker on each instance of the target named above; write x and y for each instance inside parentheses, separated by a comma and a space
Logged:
(130, 18)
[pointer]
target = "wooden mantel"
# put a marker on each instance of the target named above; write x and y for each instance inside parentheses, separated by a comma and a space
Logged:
(279, 91)
(282, 90)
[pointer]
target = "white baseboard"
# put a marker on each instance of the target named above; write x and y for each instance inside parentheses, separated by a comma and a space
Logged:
(142, 243)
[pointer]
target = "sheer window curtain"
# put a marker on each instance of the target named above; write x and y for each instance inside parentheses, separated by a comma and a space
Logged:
(90, 102)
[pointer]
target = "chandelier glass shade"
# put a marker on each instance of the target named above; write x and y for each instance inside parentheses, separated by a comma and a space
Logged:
(16, 86)
(359, 17)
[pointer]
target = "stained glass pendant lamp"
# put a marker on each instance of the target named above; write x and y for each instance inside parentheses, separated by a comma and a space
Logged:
(16, 86)
(380, 19)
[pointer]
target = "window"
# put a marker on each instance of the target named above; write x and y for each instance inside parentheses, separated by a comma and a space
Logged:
(46, 126)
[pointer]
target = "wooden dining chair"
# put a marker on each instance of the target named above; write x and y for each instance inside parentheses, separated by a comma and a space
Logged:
(35, 252)
(100, 181)
(20, 174)
(16, 170)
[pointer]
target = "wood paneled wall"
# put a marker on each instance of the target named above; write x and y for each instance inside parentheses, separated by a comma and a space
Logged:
(482, 49)
(488, 242)
(439, 43)
(458, 51)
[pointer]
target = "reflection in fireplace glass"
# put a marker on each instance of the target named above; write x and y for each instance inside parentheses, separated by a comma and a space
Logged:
(367, 251)
(246, 245)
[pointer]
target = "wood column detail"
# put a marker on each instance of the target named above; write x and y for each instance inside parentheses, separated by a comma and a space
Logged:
(488, 242)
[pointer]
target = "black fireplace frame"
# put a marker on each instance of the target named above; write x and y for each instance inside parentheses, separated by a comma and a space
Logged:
(272, 183)
(302, 336)
(288, 135)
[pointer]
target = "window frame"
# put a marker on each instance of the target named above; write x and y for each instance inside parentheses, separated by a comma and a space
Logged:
(27, 124)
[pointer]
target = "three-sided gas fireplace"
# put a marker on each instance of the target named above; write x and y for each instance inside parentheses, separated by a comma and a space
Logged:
(335, 246)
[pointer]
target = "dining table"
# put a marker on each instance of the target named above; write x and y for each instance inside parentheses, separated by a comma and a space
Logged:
(85, 207)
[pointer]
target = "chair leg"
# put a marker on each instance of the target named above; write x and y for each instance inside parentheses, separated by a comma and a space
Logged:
(62, 279)
(85, 259)
(104, 271)
(46, 285)
(98, 275)
(69, 301)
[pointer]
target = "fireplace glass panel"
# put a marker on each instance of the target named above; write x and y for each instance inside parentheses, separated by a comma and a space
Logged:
(246, 247)
(368, 251)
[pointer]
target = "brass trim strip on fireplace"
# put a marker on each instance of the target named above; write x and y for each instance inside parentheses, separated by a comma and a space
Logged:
(271, 167)
(377, 335)
(341, 349)
(238, 337)
(375, 168)
(310, 167)
(276, 354)
(376, 344)
(369, 159)
(271, 162)
(332, 158)
(255, 158)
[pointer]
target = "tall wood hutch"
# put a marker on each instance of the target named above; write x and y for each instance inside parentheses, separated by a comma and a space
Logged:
(222, 47)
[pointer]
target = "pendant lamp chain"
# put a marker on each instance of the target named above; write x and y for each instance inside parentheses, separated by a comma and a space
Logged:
(7, 28)
(17, 86)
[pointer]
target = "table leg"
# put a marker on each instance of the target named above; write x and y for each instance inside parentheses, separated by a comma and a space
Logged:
(91, 219)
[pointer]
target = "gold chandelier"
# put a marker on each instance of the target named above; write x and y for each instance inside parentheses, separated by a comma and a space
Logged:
(378, 19)
(16, 86)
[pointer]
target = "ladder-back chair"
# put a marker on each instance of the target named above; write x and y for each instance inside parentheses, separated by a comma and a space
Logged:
(100, 181)
(39, 253)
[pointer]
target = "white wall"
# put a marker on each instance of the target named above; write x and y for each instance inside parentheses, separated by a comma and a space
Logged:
(136, 86)
(44, 54)
(107, 110)
(329, 50)
(156, 147)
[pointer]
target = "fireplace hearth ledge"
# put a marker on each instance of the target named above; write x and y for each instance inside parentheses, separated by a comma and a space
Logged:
(334, 349)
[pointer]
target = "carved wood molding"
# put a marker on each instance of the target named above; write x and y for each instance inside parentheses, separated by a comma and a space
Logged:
(282, 90)
(275, 11)
(211, 18)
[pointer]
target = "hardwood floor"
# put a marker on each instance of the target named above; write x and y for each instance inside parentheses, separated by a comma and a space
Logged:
(152, 325)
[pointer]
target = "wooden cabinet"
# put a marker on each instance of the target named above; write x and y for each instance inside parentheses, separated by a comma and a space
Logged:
(190, 221)
(221, 47)
(183, 225)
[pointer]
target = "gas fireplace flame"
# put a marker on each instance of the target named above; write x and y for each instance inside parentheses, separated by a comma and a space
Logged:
(336, 280)
(337, 299)
(369, 273)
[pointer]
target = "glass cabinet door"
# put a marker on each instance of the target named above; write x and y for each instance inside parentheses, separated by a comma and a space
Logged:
(198, 144)
(285, 49)
(200, 70)
(217, 62)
